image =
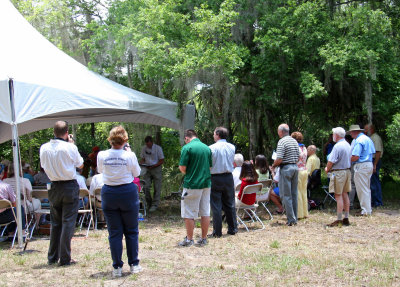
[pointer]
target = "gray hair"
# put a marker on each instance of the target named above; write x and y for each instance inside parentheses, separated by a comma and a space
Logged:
(284, 128)
(312, 147)
(339, 131)
(238, 159)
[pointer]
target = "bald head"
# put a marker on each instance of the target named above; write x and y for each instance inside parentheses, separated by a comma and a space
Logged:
(369, 129)
(283, 130)
(60, 129)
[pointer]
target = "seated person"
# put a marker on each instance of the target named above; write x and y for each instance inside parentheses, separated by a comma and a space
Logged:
(274, 191)
(6, 215)
(248, 176)
(32, 204)
(261, 165)
(41, 178)
(97, 182)
(27, 172)
(313, 163)
(82, 185)
(237, 163)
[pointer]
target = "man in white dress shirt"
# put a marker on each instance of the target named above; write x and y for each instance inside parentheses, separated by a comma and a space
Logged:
(222, 189)
(152, 158)
(60, 158)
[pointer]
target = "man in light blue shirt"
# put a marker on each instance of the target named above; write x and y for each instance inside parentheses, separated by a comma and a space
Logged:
(222, 188)
(361, 155)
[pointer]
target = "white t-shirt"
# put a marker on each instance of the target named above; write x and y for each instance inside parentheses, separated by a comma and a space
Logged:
(152, 155)
(60, 159)
(117, 166)
(81, 181)
(236, 175)
(97, 182)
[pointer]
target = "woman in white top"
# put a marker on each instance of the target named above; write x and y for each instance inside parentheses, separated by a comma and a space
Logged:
(120, 199)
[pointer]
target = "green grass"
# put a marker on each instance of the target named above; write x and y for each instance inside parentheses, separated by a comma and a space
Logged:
(274, 244)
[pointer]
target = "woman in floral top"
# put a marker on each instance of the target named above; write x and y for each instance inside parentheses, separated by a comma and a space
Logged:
(302, 202)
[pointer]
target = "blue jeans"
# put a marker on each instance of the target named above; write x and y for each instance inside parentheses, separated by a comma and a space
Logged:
(376, 189)
(288, 180)
(121, 209)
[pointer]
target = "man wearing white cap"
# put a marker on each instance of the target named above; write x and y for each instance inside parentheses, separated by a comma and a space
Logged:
(362, 155)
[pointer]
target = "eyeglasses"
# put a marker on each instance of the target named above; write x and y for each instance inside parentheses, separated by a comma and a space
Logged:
(148, 152)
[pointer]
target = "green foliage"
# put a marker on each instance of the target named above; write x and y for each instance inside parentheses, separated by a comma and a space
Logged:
(248, 65)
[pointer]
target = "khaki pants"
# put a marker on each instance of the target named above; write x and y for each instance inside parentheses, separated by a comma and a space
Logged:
(155, 175)
(362, 179)
(302, 202)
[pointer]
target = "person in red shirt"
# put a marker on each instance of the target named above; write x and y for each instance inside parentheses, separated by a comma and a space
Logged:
(249, 176)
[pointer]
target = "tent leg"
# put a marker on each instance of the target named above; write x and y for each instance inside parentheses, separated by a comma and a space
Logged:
(15, 146)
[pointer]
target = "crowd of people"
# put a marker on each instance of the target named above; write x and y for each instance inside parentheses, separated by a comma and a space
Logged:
(212, 174)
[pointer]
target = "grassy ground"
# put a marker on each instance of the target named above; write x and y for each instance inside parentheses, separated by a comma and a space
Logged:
(309, 254)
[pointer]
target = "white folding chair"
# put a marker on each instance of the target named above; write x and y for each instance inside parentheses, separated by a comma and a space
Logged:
(263, 198)
(41, 194)
(328, 196)
(97, 207)
(250, 210)
(4, 203)
(87, 212)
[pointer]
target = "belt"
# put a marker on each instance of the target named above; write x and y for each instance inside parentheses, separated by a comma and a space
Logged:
(63, 181)
(282, 164)
(224, 173)
(340, 169)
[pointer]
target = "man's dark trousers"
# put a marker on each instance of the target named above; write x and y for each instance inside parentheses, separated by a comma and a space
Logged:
(223, 198)
(64, 204)
(376, 189)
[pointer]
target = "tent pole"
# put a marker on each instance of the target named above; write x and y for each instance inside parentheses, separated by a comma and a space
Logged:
(15, 146)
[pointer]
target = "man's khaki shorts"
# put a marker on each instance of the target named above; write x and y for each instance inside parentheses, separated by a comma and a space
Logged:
(195, 203)
(340, 182)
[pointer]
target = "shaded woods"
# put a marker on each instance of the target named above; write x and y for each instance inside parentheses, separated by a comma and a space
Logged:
(248, 65)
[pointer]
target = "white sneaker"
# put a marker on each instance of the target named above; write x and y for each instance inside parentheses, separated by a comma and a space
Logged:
(136, 268)
(117, 272)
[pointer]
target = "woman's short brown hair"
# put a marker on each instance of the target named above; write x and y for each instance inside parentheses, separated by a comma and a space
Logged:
(298, 136)
(118, 136)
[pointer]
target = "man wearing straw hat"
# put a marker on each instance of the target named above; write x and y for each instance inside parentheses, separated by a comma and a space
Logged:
(362, 155)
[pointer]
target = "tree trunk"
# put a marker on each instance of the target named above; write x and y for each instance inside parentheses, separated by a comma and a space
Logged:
(368, 99)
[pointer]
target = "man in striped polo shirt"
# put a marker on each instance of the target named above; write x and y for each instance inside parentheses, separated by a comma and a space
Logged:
(287, 157)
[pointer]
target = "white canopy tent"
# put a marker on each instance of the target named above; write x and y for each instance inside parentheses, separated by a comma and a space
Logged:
(40, 84)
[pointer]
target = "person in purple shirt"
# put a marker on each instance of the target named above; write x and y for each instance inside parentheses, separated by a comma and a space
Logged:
(7, 192)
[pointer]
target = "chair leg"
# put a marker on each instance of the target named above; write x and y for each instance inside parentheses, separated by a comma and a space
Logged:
(264, 204)
(90, 222)
(15, 235)
(258, 219)
(241, 221)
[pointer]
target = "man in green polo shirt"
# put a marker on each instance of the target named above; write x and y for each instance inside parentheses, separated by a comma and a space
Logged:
(195, 163)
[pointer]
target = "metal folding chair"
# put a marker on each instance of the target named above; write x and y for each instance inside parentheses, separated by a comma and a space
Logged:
(41, 194)
(4, 203)
(86, 212)
(97, 207)
(267, 184)
(250, 210)
(328, 196)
